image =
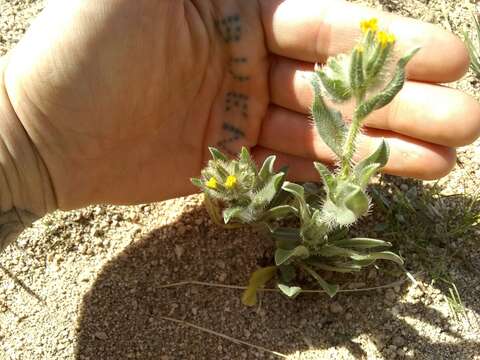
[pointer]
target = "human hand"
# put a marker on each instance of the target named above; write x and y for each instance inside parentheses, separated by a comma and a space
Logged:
(121, 98)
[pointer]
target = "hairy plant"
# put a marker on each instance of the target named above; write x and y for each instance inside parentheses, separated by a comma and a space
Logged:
(238, 194)
(474, 47)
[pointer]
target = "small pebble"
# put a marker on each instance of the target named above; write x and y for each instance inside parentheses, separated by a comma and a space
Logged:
(404, 187)
(356, 285)
(222, 277)
(179, 251)
(395, 310)
(392, 348)
(390, 295)
(101, 335)
(84, 276)
(372, 274)
(181, 229)
(398, 341)
(336, 308)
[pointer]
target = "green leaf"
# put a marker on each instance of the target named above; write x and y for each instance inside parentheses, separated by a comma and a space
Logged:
(406, 58)
(282, 256)
(267, 168)
(329, 123)
(279, 212)
(299, 193)
(357, 202)
(361, 243)
(381, 255)
(314, 230)
(230, 213)
(282, 198)
(348, 265)
(287, 244)
(389, 92)
(363, 263)
(379, 156)
(332, 251)
(258, 280)
(223, 173)
(246, 159)
(340, 269)
(337, 215)
(338, 89)
(290, 291)
(263, 197)
(295, 189)
(347, 205)
(338, 234)
(283, 233)
(474, 49)
(327, 177)
(197, 182)
(335, 68)
(217, 155)
(330, 289)
(366, 175)
(311, 189)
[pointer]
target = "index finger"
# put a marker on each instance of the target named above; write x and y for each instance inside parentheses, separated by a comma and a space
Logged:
(314, 30)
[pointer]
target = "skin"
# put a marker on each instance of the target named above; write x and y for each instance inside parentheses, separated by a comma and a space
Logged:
(116, 101)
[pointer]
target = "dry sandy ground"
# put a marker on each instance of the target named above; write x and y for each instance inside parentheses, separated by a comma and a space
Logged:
(88, 284)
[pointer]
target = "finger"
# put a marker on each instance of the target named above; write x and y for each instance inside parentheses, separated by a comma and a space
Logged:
(302, 169)
(314, 30)
(290, 133)
(428, 112)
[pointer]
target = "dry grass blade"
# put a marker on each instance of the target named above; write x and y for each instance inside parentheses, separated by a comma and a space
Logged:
(22, 284)
(238, 287)
(223, 336)
(474, 49)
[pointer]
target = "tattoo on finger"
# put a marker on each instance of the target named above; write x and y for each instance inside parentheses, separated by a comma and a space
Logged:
(236, 103)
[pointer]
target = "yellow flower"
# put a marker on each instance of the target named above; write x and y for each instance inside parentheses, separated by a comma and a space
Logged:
(384, 38)
(360, 48)
(212, 183)
(369, 25)
(391, 38)
(230, 182)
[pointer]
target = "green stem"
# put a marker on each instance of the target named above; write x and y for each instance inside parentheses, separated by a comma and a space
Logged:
(349, 146)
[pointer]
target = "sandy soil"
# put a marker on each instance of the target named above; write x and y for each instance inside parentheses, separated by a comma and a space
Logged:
(88, 284)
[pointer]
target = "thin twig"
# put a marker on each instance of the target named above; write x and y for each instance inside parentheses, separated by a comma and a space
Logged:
(22, 284)
(237, 287)
(229, 338)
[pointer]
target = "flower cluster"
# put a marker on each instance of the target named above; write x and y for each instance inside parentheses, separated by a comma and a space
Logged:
(230, 182)
(369, 25)
(237, 192)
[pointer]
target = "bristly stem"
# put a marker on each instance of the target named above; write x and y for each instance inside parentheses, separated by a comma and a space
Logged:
(349, 145)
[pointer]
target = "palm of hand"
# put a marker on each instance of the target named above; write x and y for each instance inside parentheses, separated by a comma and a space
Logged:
(136, 92)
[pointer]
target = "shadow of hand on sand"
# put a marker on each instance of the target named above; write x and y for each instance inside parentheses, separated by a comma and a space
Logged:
(122, 316)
